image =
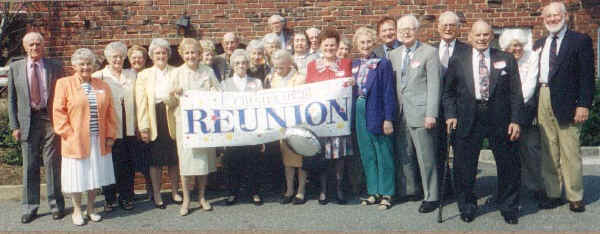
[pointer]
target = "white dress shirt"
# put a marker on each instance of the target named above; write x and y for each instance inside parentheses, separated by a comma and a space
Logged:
(240, 82)
(161, 85)
(544, 63)
(476, 59)
(450, 48)
(528, 71)
(411, 54)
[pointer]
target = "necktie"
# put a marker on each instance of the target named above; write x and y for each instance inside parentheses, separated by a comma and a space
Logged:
(387, 51)
(484, 78)
(34, 90)
(446, 56)
(552, 57)
(405, 63)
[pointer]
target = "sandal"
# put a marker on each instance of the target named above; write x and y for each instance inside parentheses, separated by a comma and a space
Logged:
(109, 206)
(385, 203)
(369, 200)
(205, 205)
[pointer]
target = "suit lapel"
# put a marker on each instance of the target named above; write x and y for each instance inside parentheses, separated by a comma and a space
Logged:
(494, 73)
(25, 81)
(468, 71)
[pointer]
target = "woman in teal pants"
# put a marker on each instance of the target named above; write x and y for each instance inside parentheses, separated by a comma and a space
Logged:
(375, 108)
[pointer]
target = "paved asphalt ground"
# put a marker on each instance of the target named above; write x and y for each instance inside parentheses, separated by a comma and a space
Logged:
(312, 217)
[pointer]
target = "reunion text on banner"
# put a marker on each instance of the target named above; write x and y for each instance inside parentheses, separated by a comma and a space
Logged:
(213, 119)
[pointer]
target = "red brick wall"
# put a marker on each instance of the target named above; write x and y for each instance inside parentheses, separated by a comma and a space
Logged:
(137, 22)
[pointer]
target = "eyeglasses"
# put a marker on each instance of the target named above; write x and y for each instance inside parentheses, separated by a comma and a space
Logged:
(448, 25)
(407, 30)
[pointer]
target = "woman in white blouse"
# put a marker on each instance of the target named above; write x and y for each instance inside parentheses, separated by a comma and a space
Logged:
(242, 161)
(121, 83)
(151, 93)
(513, 41)
(194, 163)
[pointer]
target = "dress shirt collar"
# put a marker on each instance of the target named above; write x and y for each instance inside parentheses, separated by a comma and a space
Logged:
(476, 53)
(413, 47)
(39, 62)
(443, 43)
(560, 33)
(395, 45)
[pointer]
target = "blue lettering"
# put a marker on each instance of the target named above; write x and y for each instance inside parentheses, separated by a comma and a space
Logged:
(333, 105)
(191, 120)
(309, 119)
(219, 119)
(276, 117)
(243, 126)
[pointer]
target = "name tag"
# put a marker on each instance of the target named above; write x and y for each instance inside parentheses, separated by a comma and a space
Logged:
(339, 73)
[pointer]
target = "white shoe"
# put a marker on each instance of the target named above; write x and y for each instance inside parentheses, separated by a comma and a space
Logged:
(77, 220)
(93, 217)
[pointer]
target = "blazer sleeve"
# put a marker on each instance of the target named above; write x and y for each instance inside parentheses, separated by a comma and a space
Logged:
(449, 93)
(13, 106)
(433, 69)
(389, 85)
(111, 115)
(585, 73)
(516, 93)
(60, 110)
(141, 102)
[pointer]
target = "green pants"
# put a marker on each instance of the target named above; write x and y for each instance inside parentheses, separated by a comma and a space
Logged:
(376, 153)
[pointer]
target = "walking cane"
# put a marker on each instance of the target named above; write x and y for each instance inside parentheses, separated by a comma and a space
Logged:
(449, 142)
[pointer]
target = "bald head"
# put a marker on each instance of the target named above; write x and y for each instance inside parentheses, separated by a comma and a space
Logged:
(481, 35)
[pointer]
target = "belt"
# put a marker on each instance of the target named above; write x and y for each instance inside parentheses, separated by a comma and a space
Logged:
(543, 84)
(43, 110)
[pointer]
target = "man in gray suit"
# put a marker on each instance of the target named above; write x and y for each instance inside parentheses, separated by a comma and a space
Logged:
(30, 92)
(230, 42)
(417, 69)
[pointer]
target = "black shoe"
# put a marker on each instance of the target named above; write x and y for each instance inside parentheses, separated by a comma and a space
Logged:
(428, 207)
(58, 215)
(231, 200)
(467, 217)
(549, 203)
(286, 199)
(340, 201)
(27, 218)
(299, 201)
(412, 198)
(126, 204)
(511, 219)
(577, 206)
(323, 202)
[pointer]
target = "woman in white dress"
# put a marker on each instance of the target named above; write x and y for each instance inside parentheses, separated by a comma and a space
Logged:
(84, 118)
(197, 162)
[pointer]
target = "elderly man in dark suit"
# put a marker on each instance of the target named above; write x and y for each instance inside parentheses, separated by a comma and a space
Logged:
(448, 28)
(30, 91)
(482, 98)
(565, 98)
(386, 32)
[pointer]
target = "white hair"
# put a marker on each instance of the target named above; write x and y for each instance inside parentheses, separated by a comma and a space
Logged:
(231, 34)
(33, 35)
(510, 35)
(313, 29)
(159, 43)
(449, 15)
(282, 54)
(255, 45)
(276, 17)
(410, 18)
(561, 6)
(237, 54)
(82, 54)
(115, 46)
(271, 38)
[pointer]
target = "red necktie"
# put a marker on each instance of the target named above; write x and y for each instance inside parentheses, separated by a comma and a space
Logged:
(34, 89)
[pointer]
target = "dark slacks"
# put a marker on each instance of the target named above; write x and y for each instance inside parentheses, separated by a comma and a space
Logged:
(41, 144)
(239, 162)
(508, 164)
(123, 153)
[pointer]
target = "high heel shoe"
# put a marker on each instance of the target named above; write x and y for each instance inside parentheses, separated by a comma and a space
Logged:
(161, 206)
(323, 201)
(184, 211)
(77, 220)
(176, 201)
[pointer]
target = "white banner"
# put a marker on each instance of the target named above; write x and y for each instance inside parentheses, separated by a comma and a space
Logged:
(213, 119)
